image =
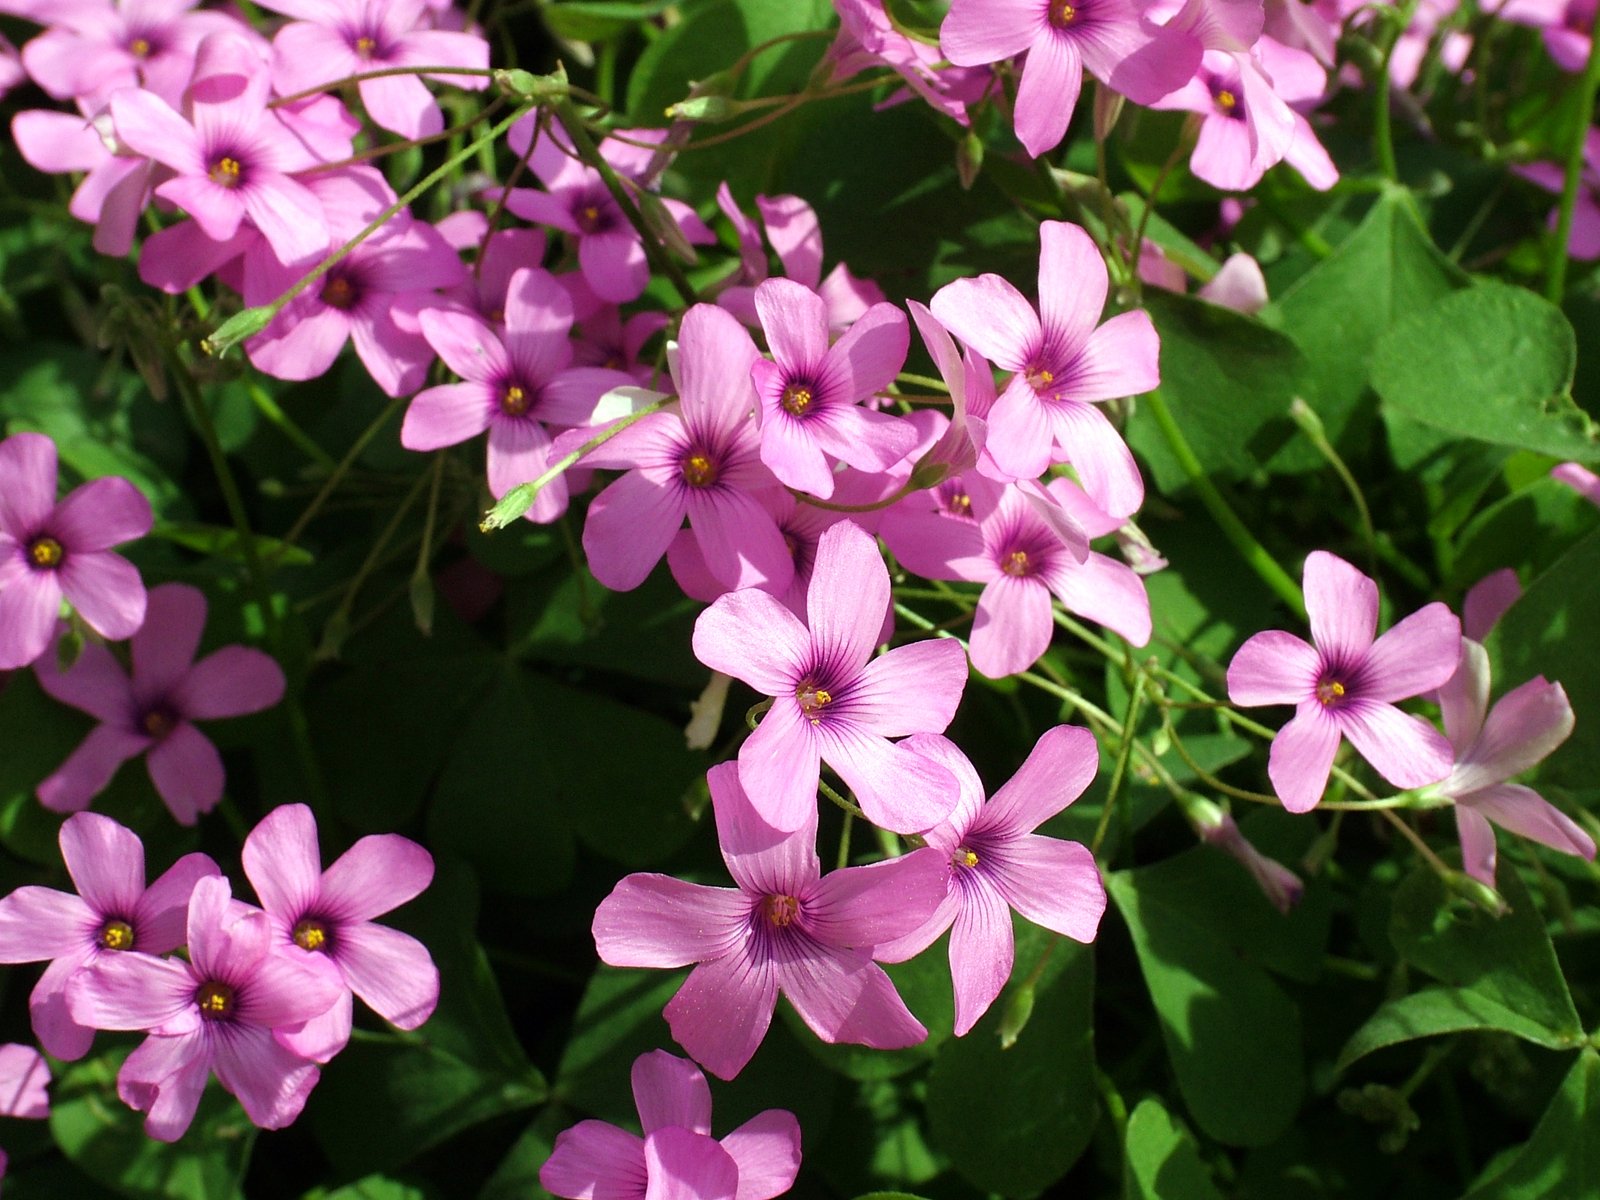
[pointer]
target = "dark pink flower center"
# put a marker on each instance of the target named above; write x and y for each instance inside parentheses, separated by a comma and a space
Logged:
(158, 721)
(1331, 693)
(1017, 564)
(1064, 12)
(964, 858)
(780, 911)
(813, 699)
(45, 553)
(311, 934)
(340, 292)
(797, 398)
(699, 468)
(1227, 95)
(516, 400)
(1040, 378)
(593, 212)
(115, 934)
(215, 1000)
(227, 171)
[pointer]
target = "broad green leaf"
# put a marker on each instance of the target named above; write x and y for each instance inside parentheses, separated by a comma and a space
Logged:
(1163, 1163)
(1562, 1158)
(495, 803)
(1507, 960)
(1436, 1011)
(517, 1176)
(878, 1138)
(618, 1019)
(1552, 631)
(373, 1187)
(597, 20)
(106, 1138)
(1337, 311)
(40, 734)
(1231, 1033)
(1014, 1121)
(1228, 380)
(1493, 362)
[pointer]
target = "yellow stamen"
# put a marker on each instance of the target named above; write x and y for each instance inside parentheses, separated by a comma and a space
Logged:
(961, 504)
(796, 399)
(139, 47)
(514, 401)
(698, 470)
(215, 999)
(116, 935)
(310, 935)
(45, 552)
(158, 722)
(1329, 691)
(1227, 101)
(965, 858)
(1062, 13)
(1015, 563)
(365, 47)
(812, 700)
(226, 171)
(1039, 378)
(781, 910)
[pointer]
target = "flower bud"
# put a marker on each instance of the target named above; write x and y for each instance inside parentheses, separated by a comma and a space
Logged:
(237, 328)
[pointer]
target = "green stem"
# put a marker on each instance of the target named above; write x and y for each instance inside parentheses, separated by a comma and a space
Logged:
(340, 471)
(850, 809)
(1383, 125)
(333, 84)
(1119, 772)
(1253, 552)
(1555, 283)
(268, 408)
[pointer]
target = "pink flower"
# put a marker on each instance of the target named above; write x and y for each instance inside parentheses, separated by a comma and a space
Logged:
(701, 462)
(994, 862)
(1064, 364)
(1566, 25)
(832, 701)
(1580, 479)
(24, 1075)
(1347, 684)
(785, 927)
(677, 1155)
(217, 1011)
(334, 39)
(49, 551)
(810, 397)
(329, 915)
(1493, 744)
(155, 710)
(113, 912)
(1062, 38)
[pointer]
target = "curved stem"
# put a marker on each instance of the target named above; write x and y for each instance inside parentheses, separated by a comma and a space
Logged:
(379, 73)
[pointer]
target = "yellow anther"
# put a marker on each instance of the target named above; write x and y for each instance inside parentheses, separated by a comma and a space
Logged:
(812, 700)
(965, 857)
(45, 552)
(338, 292)
(310, 935)
(366, 47)
(1039, 378)
(1062, 13)
(796, 399)
(158, 722)
(1227, 101)
(1329, 690)
(781, 910)
(226, 171)
(215, 999)
(514, 401)
(698, 470)
(116, 935)
(961, 504)
(139, 47)
(1015, 563)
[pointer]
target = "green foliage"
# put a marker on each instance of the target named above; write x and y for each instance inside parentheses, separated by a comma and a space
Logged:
(1163, 1163)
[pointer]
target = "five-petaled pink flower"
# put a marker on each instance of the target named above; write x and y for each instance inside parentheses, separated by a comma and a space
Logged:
(328, 916)
(677, 1155)
(156, 709)
(786, 927)
(218, 1010)
(1065, 362)
(49, 551)
(994, 862)
(1346, 685)
(113, 912)
(832, 701)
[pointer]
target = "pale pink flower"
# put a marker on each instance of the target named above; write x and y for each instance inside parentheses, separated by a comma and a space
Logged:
(219, 1010)
(24, 1075)
(677, 1154)
(50, 551)
(1580, 479)
(994, 862)
(785, 927)
(1346, 685)
(832, 701)
(113, 913)
(154, 712)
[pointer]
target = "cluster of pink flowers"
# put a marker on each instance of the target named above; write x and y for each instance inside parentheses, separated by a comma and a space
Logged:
(260, 996)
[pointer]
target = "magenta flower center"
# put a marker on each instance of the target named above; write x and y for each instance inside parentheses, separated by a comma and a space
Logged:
(698, 469)
(365, 47)
(139, 47)
(159, 721)
(1331, 693)
(215, 999)
(1040, 378)
(796, 399)
(115, 935)
(515, 401)
(780, 911)
(1063, 13)
(813, 700)
(965, 857)
(1016, 564)
(592, 213)
(45, 553)
(339, 292)
(954, 500)
(311, 934)
(226, 171)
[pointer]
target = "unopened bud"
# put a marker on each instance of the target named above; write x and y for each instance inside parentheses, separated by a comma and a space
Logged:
(1107, 108)
(707, 110)
(660, 221)
(969, 160)
(236, 328)
(422, 604)
(1480, 894)
(510, 506)
(1306, 417)
(706, 712)
(929, 473)
(1018, 1011)
(528, 86)
(68, 647)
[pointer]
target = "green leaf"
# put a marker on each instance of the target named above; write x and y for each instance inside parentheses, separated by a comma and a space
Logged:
(1014, 1121)
(495, 803)
(1562, 1158)
(42, 734)
(106, 1139)
(1336, 312)
(517, 1176)
(1507, 960)
(597, 20)
(219, 541)
(1493, 362)
(373, 1187)
(1552, 631)
(1228, 380)
(1441, 1010)
(1231, 1033)
(1163, 1162)
(618, 1019)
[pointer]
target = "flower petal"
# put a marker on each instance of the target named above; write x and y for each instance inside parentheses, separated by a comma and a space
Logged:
(28, 465)
(165, 645)
(722, 1011)
(657, 921)
(106, 862)
(1417, 655)
(1301, 757)
(106, 590)
(767, 1150)
(392, 972)
(187, 770)
(859, 907)
(750, 635)
(762, 858)
(100, 514)
(1058, 769)
(231, 682)
(96, 683)
(1053, 883)
(1273, 667)
(379, 873)
(1342, 604)
(596, 1160)
(1405, 750)
(844, 997)
(670, 1092)
(39, 923)
(1072, 286)
(1526, 726)
(982, 952)
(283, 862)
(1523, 811)
(270, 1081)
(89, 768)
(991, 316)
